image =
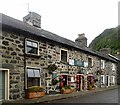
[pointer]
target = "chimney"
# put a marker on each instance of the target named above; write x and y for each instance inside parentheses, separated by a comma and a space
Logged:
(33, 19)
(81, 41)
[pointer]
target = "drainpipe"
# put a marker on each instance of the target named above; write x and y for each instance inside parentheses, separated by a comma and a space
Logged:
(25, 66)
(85, 80)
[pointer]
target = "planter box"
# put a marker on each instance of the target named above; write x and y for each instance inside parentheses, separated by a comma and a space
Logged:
(34, 95)
(67, 91)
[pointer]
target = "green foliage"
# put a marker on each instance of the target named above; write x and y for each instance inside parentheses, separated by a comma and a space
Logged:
(66, 87)
(110, 38)
(35, 89)
(52, 67)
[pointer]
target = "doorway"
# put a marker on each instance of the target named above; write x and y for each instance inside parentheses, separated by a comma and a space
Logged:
(4, 84)
(107, 80)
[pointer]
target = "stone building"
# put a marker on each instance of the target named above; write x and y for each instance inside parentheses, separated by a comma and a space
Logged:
(27, 50)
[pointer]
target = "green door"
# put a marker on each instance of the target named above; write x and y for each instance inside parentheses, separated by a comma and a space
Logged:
(2, 85)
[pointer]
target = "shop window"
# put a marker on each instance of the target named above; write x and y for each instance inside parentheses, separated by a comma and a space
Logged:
(31, 47)
(63, 55)
(33, 77)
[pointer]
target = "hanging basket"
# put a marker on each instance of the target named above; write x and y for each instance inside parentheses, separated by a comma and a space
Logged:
(51, 68)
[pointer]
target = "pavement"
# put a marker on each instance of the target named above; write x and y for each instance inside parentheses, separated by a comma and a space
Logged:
(48, 98)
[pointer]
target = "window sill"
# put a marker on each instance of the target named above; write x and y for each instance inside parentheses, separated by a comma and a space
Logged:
(64, 62)
(32, 55)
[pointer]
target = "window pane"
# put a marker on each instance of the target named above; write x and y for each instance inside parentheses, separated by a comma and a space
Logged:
(89, 62)
(30, 73)
(32, 50)
(34, 44)
(29, 43)
(64, 56)
(33, 82)
(37, 73)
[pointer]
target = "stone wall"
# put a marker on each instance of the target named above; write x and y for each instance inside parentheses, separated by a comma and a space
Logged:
(14, 59)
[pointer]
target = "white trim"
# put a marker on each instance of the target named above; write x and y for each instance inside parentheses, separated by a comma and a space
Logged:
(63, 50)
(103, 64)
(113, 67)
(114, 57)
(6, 82)
(31, 41)
(112, 80)
(103, 80)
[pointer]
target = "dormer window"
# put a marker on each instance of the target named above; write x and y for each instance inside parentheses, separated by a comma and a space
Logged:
(31, 47)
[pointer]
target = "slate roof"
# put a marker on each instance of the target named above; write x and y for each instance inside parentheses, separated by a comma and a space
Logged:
(21, 26)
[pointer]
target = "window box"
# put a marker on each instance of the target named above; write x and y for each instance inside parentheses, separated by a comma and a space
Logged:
(66, 90)
(34, 92)
(35, 95)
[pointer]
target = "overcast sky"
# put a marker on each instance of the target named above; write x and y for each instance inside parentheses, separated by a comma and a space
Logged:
(67, 18)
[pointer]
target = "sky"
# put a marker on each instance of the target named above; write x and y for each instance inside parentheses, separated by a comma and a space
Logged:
(67, 18)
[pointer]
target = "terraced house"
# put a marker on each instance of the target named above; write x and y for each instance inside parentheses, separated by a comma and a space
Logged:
(27, 51)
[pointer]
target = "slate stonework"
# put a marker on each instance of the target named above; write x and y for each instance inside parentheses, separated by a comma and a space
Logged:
(49, 52)
(11, 56)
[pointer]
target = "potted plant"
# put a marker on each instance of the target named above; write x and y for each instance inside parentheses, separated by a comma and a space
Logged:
(51, 68)
(34, 92)
(90, 87)
(66, 89)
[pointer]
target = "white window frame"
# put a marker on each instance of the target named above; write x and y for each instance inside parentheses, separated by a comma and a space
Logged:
(34, 42)
(113, 66)
(71, 62)
(113, 79)
(27, 67)
(63, 50)
(6, 83)
(102, 64)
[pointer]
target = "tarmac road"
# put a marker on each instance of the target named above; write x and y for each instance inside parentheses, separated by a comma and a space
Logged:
(109, 96)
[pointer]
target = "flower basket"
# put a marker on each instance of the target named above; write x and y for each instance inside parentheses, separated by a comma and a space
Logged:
(51, 68)
(34, 92)
(66, 90)
(54, 81)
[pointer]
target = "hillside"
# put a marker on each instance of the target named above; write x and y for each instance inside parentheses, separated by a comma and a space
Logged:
(109, 38)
